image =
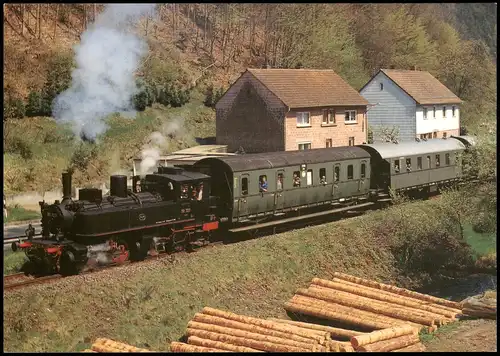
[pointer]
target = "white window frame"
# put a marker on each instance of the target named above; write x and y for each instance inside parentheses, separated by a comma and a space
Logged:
(304, 143)
(350, 120)
(300, 122)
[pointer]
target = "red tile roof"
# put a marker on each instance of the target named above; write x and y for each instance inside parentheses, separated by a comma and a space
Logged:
(422, 86)
(301, 88)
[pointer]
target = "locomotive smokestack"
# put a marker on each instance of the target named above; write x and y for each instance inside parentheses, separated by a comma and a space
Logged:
(66, 182)
(118, 186)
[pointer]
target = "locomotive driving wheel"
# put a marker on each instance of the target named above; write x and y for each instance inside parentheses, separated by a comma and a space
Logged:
(68, 265)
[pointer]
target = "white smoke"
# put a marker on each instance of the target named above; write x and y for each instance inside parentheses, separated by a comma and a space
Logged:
(157, 143)
(103, 82)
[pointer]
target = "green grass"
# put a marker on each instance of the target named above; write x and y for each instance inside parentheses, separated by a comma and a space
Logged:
(426, 337)
(13, 261)
(481, 243)
(18, 213)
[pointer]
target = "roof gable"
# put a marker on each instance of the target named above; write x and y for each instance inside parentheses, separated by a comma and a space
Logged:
(421, 86)
(300, 88)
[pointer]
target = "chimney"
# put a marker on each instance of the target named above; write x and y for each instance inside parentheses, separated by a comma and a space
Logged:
(118, 186)
(66, 182)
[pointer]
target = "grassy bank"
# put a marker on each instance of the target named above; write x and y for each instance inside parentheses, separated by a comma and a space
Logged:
(18, 213)
(149, 305)
(481, 243)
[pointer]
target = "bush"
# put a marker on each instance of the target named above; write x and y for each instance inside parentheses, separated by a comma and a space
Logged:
(13, 108)
(19, 146)
(212, 96)
(82, 156)
(34, 105)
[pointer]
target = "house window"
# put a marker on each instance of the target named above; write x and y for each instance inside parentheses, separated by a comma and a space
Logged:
(381, 86)
(396, 166)
(444, 112)
(447, 159)
(328, 117)
(419, 162)
(363, 170)
(434, 135)
(303, 119)
(444, 134)
(438, 160)
(351, 141)
(350, 117)
(304, 146)
(322, 175)
(329, 143)
(453, 111)
(350, 171)
(296, 179)
(336, 174)
(263, 186)
(309, 177)
(425, 114)
(244, 186)
(428, 161)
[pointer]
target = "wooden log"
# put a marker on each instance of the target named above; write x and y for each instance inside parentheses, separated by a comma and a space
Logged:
(383, 334)
(479, 313)
(335, 315)
(250, 335)
(391, 344)
(367, 315)
(181, 347)
(89, 350)
(398, 290)
(258, 322)
(107, 345)
(438, 318)
(239, 341)
(394, 298)
(194, 340)
(354, 301)
(418, 347)
(334, 332)
(293, 334)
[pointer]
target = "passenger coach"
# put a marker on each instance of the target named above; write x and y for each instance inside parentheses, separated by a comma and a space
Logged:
(272, 184)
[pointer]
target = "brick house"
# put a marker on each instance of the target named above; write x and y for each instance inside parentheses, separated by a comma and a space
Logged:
(415, 102)
(268, 110)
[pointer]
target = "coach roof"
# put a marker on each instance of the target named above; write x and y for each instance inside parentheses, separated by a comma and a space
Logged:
(255, 161)
(392, 150)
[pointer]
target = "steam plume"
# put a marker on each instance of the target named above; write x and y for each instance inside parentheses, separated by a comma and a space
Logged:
(103, 82)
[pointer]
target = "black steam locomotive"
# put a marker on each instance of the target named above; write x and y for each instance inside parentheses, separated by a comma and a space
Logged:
(168, 210)
(180, 208)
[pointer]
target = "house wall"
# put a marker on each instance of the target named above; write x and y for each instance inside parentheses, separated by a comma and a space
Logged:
(439, 123)
(317, 134)
(392, 108)
(250, 116)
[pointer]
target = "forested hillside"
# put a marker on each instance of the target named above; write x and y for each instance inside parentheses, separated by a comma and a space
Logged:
(197, 50)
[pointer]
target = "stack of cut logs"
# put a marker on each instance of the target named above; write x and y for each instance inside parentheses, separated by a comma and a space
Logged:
(481, 306)
(402, 338)
(215, 330)
(107, 345)
(369, 305)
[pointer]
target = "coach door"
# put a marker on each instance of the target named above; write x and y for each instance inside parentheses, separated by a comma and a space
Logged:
(362, 177)
(243, 201)
(279, 200)
(336, 182)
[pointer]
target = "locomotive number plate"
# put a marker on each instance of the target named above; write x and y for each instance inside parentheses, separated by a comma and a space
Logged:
(142, 217)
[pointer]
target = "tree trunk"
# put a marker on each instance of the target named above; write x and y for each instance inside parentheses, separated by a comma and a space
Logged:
(181, 347)
(334, 332)
(194, 340)
(22, 19)
(84, 17)
(381, 335)
(391, 344)
(39, 15)
(55, 22)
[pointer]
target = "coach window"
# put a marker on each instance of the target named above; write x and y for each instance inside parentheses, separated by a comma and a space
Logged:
(244, 186)
(419, 162)
(296, 179)
(322, 175)
(363, 170)
(408, 164)
(279, 182)
(438, 160)
(350, 172)
(447, 159)
(428, 161)
(396, 165)
(309, 177)
(263, 186)
(336, 174)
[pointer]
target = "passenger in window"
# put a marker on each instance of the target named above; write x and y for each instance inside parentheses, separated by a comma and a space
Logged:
(263, 184)
(138, 186)
(396, 166)
(200, 192)
(408, 167)
(323, 180)
(279, 183)
(296, 180)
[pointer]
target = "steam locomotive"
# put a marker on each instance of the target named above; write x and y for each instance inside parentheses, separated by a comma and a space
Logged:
(183, 207)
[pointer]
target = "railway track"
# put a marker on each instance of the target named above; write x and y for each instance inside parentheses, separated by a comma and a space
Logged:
(19, 280)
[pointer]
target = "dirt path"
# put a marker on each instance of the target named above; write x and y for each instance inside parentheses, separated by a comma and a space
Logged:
(468, 336)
